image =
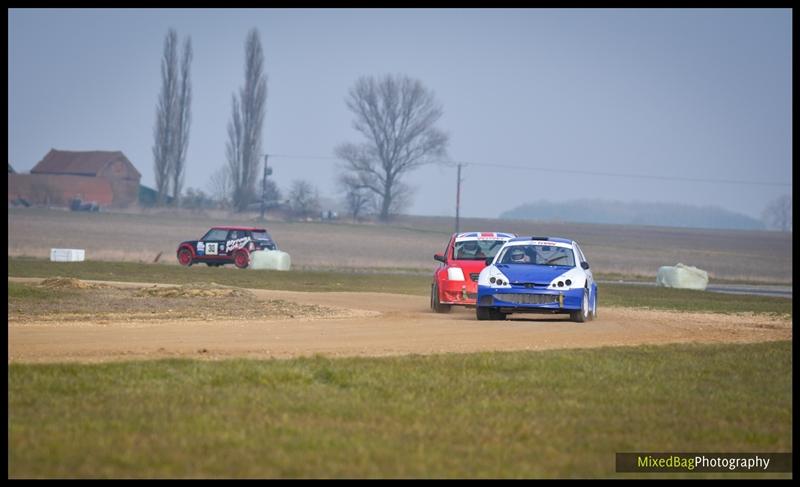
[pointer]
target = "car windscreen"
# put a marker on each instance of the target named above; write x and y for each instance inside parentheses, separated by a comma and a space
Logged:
(215, 234)
(476, 249)
(264, 240)
(537, 255)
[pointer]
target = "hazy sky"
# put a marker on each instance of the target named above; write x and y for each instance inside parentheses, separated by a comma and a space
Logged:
(695, 94)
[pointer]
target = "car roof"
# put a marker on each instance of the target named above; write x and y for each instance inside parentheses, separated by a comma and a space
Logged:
(248, 229)
(552, 239)
(477, 235)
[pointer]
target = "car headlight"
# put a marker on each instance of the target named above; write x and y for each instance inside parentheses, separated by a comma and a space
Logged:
(492, 277)
(455, 274)
(568, 280)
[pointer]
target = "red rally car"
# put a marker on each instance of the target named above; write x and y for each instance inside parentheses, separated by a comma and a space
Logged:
(225, 245)
(456, 279)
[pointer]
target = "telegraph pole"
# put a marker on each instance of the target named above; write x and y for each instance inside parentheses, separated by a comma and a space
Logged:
(458, 194)
(264, 188)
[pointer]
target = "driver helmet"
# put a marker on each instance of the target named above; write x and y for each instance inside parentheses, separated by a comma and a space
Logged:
(517, 254)
(470, 246)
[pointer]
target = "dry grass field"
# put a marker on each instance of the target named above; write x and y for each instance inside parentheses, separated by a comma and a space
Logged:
(407, 244)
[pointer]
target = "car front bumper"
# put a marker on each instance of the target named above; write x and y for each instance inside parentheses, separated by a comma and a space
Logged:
(529, 299)
(458, 292)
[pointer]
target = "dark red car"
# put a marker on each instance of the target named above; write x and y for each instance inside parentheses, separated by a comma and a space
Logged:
(225, 245)
(455, 281)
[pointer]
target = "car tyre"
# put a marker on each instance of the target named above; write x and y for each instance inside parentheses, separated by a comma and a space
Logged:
(185, 257)
(584, 314)
(242, 259)
(483, 314)
(435, 304)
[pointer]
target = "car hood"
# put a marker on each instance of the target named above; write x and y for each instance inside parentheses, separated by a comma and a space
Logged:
(468, 265)
(539, 274)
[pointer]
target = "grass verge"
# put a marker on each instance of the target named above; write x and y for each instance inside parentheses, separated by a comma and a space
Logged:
(299, 280)
(615, 276)
(520, 414)
(324, 281)
(633, 296)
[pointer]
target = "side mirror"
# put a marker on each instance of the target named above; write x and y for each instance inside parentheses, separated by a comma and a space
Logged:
(585, 265)
(440, 258)
(489, 260)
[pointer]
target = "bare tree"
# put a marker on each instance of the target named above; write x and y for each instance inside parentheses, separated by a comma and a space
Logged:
(234, 153)
(396, 115)
(165, 114)
(196, 199)
(172, 119)
(357, 199)
(272, 194)
(182, 122)
(403, 196)
(778, 213)
(303, 199)
(219, 185)
(244, 129)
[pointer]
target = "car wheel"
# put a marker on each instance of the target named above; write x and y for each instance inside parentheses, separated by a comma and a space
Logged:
(582, 315)
(241, 259)
(185, 257)
(489, 314)
(435, 304)
(497, 315)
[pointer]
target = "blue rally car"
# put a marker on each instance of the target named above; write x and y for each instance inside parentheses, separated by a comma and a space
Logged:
(537, 275)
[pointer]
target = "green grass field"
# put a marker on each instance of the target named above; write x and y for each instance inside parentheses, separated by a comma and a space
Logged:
(521, 414)
(415, 284)
(633, 296)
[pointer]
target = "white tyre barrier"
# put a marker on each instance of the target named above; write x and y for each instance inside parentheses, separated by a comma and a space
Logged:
(682, 277)
(67, 255)
(275, 260)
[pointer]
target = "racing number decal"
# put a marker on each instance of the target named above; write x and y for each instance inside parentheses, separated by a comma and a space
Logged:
(211, 248)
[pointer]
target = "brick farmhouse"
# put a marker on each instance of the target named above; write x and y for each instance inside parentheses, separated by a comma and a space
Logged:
(104, 177)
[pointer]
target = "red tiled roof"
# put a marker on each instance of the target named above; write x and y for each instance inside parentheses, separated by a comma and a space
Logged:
(85, 163)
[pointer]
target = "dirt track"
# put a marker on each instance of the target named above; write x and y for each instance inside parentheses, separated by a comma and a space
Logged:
(374, 324)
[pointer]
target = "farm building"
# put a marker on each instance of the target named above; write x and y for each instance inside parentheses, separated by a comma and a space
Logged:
(105, 177)
(148, 196)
